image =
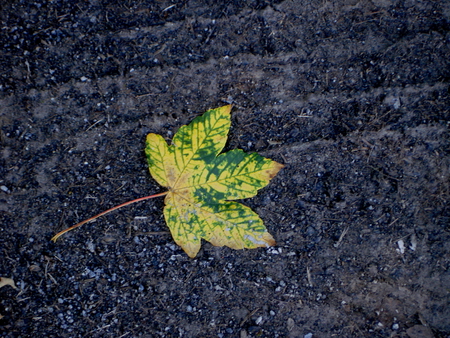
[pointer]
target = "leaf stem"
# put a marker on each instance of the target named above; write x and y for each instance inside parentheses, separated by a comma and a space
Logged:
(59, 234)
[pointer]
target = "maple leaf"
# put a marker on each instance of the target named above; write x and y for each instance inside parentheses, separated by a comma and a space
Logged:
(202, 184)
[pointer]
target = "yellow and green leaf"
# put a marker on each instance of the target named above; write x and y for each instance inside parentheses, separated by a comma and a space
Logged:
(202, 184)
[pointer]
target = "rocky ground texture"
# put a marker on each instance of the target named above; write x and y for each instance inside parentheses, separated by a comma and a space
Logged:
(352, 96)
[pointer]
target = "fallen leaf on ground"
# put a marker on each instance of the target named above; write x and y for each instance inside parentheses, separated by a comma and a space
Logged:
(202, 184)
(7, 281)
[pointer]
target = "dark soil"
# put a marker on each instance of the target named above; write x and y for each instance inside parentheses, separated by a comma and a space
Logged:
(352, 96)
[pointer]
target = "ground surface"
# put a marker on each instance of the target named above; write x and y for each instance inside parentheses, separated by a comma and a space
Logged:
(352, 96)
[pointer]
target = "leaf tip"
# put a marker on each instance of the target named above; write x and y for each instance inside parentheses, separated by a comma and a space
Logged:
(227, 108)
(269, 239)
(278, 167)
(274, 169)
(191, 250)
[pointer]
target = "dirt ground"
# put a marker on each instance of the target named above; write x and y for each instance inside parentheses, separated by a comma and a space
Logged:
(352, 96)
